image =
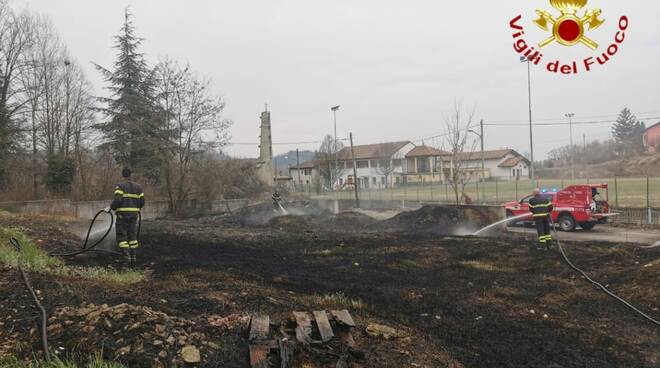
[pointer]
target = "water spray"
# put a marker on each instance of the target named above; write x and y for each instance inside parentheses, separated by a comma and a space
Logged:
(506, 220)
(282, 208)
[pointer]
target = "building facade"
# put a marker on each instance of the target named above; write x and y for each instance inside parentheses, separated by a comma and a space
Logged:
(378, 166)
(503, 164)
(652, 138)
(425, 164)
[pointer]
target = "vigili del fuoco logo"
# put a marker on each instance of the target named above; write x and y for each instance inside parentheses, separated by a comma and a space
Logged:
(569, 26)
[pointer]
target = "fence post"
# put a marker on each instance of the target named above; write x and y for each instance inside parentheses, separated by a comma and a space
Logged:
(562, 184)
(516, 189)
(432, 188)
(418, 183)
(497, 194)
(616, 192)
(649, 214)
(446, 192)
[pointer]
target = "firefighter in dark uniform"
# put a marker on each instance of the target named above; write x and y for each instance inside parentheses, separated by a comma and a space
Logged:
(128, 202)
(541, 207)
(276, 201)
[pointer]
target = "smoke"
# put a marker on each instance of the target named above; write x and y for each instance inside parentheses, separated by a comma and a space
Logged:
(98, 230)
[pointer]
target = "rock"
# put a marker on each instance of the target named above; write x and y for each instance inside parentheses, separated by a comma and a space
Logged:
(157, 343)
(162, 354)
(377, 330)
(190, 354)
(170, 340)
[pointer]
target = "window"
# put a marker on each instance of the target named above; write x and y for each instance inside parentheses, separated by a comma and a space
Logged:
(349, 164)
(398, 180)
(307, 172)
(341, 181)
(374, 181)
(362, 164)
(382, 180)
(373, 163)
(422, 165)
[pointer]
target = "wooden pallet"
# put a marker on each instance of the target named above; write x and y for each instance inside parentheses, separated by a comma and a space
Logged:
(330, 325)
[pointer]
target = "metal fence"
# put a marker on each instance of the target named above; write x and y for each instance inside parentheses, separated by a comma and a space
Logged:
(637, 199)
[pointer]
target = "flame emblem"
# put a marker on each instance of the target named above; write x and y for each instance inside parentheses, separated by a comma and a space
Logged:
(569, 28)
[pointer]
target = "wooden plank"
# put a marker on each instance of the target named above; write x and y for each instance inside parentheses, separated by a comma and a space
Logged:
(286, 353)
(259, 356)
(343, 316)
(303, 327)
(259, 326)
(324, 325)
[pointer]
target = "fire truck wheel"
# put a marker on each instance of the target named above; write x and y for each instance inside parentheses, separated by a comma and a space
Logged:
(567, 222)
(587, 225)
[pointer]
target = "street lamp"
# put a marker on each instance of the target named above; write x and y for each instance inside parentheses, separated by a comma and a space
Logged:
(483, 164)
(334, 148)
(524, 59)
(571, 151)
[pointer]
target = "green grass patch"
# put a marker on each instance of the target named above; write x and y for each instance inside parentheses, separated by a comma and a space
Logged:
(34, 259)
(57, 362)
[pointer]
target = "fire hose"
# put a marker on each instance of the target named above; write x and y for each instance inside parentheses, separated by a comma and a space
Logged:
(91, 248)
(42, 310)
(599, 285)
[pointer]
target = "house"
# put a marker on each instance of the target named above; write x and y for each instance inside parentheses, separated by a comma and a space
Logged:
(424, 164)
(378, 165)
(306, 176)
(503, 164)
(652, 138)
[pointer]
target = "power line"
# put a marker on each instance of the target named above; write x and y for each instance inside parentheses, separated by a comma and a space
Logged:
(563, 123)
(586, 117)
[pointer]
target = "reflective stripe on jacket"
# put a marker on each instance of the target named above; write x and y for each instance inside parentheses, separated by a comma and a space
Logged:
(129, 197)
(540, 206)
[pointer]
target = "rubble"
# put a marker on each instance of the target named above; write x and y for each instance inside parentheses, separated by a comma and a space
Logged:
(135, 335)
(381, 331)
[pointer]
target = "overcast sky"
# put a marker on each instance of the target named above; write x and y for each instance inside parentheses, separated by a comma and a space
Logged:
(395, 67)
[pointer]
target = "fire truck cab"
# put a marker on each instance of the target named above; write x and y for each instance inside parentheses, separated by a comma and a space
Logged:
(583, 205)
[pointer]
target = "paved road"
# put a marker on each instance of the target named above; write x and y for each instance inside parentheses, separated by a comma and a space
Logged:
(603, 233)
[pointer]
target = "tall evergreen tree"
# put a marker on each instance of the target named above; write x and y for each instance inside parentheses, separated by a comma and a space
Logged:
(624, 126)
(132, 125)
(627, 132)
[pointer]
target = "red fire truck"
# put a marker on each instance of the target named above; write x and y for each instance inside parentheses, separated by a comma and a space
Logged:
(583, 205)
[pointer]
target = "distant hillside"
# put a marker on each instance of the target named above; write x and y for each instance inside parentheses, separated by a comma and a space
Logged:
(286, 160)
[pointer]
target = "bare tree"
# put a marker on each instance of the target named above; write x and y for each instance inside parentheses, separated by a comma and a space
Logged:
(385, 164)
(460, 146)
(329, 170)
(193, 123)
(15, 40)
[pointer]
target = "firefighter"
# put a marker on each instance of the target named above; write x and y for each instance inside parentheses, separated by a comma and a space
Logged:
(276, 201)
(128, 202)
(541, 207)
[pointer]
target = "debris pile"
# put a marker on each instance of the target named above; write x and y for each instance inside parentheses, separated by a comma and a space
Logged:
(321, 336)
(137, 336)
(442, 220)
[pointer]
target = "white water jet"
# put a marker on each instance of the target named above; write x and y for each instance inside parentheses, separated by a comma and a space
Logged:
(282, 208)
(508, 219)
(655, 245)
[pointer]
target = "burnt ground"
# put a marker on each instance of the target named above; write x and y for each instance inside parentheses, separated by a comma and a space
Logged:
(456, 301)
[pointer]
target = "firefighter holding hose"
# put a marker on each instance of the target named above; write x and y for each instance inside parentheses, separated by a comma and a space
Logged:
(127, 204)
(541, 208)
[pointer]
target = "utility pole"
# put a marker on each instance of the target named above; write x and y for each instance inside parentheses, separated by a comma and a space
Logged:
(531, 136)
(483, 164)
(355, 181)
(298, 166)
(334, 148)
(571, 150)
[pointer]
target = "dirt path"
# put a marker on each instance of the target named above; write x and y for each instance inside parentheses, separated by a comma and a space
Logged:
(602, 234)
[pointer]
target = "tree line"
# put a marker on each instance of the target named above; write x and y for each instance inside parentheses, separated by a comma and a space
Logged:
(626, 142)
(58, 139)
